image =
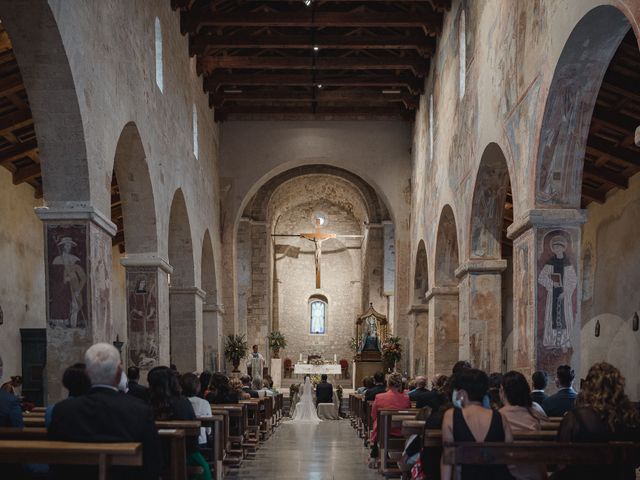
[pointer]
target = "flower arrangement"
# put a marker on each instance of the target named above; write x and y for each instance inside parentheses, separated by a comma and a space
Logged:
(276, 342)
(315, 380)
(340, 393)
(293, 390)
(392, 350)
(235, 349)
(317, 361)
(354, 344)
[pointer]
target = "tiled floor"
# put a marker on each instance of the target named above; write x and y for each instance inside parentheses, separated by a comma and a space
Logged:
(328, 451)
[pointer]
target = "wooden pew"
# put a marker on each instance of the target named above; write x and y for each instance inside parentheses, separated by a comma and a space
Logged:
(217, 441)
(544, 453)
(390, 448)
(253, 417)
(238, 431)
(103, 455)
(176, 433)
(28, 433)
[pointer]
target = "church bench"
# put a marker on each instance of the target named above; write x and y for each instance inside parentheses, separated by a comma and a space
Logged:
(103, 455)
(543, 453)
(391, 447)
(33, 421)
(238, 431)
(215, 451)
(253, 423)
(28, 433)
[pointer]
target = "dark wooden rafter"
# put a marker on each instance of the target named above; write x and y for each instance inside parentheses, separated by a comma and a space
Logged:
(341, 57)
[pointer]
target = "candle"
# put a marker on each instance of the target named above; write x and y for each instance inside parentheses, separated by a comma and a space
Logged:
(335, 359)
(301, 357)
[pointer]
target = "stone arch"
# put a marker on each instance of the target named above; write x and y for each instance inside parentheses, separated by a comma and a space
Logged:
(569, 106)
(489, 196)
(421, 275)
(447, 255)
(131, 170)
(185, 303)
(41, 56)
(211, 312)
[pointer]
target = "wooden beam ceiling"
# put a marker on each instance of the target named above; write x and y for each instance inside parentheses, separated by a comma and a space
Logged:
(340, 57)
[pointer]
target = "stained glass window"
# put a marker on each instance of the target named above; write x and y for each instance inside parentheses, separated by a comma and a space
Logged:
(318, 317)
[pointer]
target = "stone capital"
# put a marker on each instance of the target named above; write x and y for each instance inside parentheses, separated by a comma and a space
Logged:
(440, 292)
(188, 291)
(146, 260)
(71, 211)
(546, 217)
(418, 308)
(214, 308)
(481, 266)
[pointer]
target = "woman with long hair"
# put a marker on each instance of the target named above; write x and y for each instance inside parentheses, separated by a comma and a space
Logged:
(603, 413)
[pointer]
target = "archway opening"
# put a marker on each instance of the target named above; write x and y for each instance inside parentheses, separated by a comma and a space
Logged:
(211, 314)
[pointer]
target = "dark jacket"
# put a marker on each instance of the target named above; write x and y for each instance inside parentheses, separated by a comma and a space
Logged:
(324, 393)
(105, 415)
(560, 402)
(425, 398)
(138, 391)
(373, 391)
(10, 411)
(538, 397)
(253, 393)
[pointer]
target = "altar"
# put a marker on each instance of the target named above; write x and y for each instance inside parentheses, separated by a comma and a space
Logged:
(311, 369)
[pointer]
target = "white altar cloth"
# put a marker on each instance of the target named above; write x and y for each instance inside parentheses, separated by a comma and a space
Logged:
(307, 368)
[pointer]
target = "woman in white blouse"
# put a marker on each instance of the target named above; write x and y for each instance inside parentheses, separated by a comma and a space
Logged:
(190, 388)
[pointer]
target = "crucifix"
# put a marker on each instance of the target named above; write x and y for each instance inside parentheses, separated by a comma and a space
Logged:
(317, 237)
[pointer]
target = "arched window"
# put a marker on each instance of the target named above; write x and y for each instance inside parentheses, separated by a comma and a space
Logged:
(195, 131)
(462, 55)
(158, 37)
(318, 315)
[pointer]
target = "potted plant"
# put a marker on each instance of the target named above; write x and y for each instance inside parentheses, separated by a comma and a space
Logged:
(235, 349)
(276, 342)
(391, 351)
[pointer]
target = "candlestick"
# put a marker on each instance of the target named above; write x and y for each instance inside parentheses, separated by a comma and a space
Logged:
(301, 357)
(334, 358)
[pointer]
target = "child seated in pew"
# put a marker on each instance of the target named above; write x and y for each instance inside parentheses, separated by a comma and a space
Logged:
(77, 383)
(603, 413)
(190, 389)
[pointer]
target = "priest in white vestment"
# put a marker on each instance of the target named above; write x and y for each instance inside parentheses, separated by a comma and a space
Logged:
(256, 363)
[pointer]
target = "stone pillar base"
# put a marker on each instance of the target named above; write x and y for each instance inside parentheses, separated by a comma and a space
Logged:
(276, 372)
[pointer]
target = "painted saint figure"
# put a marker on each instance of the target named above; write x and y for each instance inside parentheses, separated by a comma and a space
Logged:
(74, 276)
(559, 278)
(370, 341)
(142, 306)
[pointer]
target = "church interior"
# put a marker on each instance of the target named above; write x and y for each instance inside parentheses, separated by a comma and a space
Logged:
(431, 205)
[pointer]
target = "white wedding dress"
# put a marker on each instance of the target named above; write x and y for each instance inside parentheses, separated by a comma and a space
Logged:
(306, 410)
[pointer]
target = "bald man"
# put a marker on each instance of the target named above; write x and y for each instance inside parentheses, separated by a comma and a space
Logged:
(424, 397)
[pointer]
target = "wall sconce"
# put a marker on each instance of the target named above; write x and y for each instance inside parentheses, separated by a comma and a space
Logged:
(635, 324)
(118, 344)
(597, 328)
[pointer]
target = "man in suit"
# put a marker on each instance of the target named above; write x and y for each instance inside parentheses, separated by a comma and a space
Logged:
(378, 387)
(246, 386)
(106, 415)
(10, 411)
(135, 389)
(539, 382)
(565, 398)
(424, 397)
(324, 391)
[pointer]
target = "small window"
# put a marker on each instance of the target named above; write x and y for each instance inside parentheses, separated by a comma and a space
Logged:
(318, 314)
(431, 128)
(462, 55)
(159, 73)
(195, 131)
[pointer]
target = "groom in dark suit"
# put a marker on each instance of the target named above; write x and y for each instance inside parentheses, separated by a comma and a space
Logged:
(324, 391)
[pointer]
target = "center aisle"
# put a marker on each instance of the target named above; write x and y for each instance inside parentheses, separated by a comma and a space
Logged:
(328, 451)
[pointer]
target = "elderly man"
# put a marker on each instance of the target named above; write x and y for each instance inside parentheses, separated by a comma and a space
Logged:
(424, 397)
(106, 415)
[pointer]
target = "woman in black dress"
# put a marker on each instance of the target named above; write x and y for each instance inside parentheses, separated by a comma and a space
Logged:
(469, 421)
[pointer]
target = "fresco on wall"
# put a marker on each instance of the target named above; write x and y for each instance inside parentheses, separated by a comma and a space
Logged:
(142, 316)
(67, 276)
(557, 294)
(522, 300)
(100, 271)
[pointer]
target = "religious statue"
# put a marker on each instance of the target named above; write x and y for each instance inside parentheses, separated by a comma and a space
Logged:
(256, 363)
(370, 341)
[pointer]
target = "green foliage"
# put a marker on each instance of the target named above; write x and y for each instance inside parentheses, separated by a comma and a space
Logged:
(235, 348)
(392, 349)
(277, 340)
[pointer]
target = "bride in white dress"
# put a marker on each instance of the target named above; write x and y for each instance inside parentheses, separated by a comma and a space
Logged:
(306, 410)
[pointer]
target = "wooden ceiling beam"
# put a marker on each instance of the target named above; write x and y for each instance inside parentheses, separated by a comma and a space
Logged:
(602, 147)
(199, 43)
(606, 176)
(207, 65)
(615, 120)
(14, 121)
(27, 173)
(218, 79)
(194, 20)
(593, 195)
(11, 85)
(351, 111)
(18, 151)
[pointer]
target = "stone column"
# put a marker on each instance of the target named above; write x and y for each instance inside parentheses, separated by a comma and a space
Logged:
(186, 328)
(212, 336)
(78, 285)
(443, 330)
(419, 339)
(480, 333)
(258, 303)
(147, 289)
(547, 289)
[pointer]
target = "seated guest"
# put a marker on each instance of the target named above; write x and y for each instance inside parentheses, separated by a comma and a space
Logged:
(378, 387)
(324, 391)
(220, 391)
(134, 388)
(469, 421)
(438, 382)
(77, 383)
(205, 379)
(522, 414)
(459, 366)
(191, 388)
(235, 390)
(393, 399)
(367, 382)
(267, 383)
(424, 397)
(246, 386)
(10, 411)
(539, 381)
(258, 385)
(603, 413)
(565, 398)
(104, 415)
(12, 385)
(493, 399)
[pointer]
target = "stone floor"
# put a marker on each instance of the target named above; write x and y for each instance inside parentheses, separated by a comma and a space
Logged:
(329, 451)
